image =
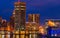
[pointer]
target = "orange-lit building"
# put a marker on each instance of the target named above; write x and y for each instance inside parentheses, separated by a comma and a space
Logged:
(3, 27)
(5, 30)
(34, 18)
(52, 22)
(32, 29)
(4, 23)
(33, 25)
(53, 25)
(12, 21)
(17, 27)
(42, 30)
(20, 15)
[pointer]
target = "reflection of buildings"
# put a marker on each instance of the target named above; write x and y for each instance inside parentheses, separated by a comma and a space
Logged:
(54, 26)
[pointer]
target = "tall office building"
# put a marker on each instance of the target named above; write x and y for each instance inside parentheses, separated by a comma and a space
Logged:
(19, 19)
(32, 28)
(34, 18)
(20, 15)
(33, 25)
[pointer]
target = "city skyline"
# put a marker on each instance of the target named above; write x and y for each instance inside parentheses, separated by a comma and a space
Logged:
(47, 9)
(17, 27)
(30, 19)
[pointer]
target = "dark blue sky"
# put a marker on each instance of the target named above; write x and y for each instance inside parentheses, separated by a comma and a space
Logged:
(46, 8)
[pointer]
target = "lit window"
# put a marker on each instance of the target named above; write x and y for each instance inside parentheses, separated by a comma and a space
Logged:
(22, 9)
(17, 36)
(16, 8)
(52, 35)
(55, 34)
(22, 36)
(3, 36)
(13, 12)
(22, 6)
(0, 36)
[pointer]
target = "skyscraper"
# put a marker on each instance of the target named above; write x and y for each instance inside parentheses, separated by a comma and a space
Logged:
(19, 19)
(34, 21)
(34, 18)
(20, 15)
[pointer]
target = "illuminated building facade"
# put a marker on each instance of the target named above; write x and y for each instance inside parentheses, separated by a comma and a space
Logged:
(12, 21)
(4, 29)
(34, 18)
(42, 30)
(4, 23)
(20, 15)
(17, 27)
(34, 21)
(53, 25)
(32, 29)
(19, 19)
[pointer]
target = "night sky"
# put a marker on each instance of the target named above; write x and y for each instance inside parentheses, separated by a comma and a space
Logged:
(48, 9)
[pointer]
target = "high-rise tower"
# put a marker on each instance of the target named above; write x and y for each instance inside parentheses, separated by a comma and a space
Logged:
(19, 19)
(20, 15)
(34, 18)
